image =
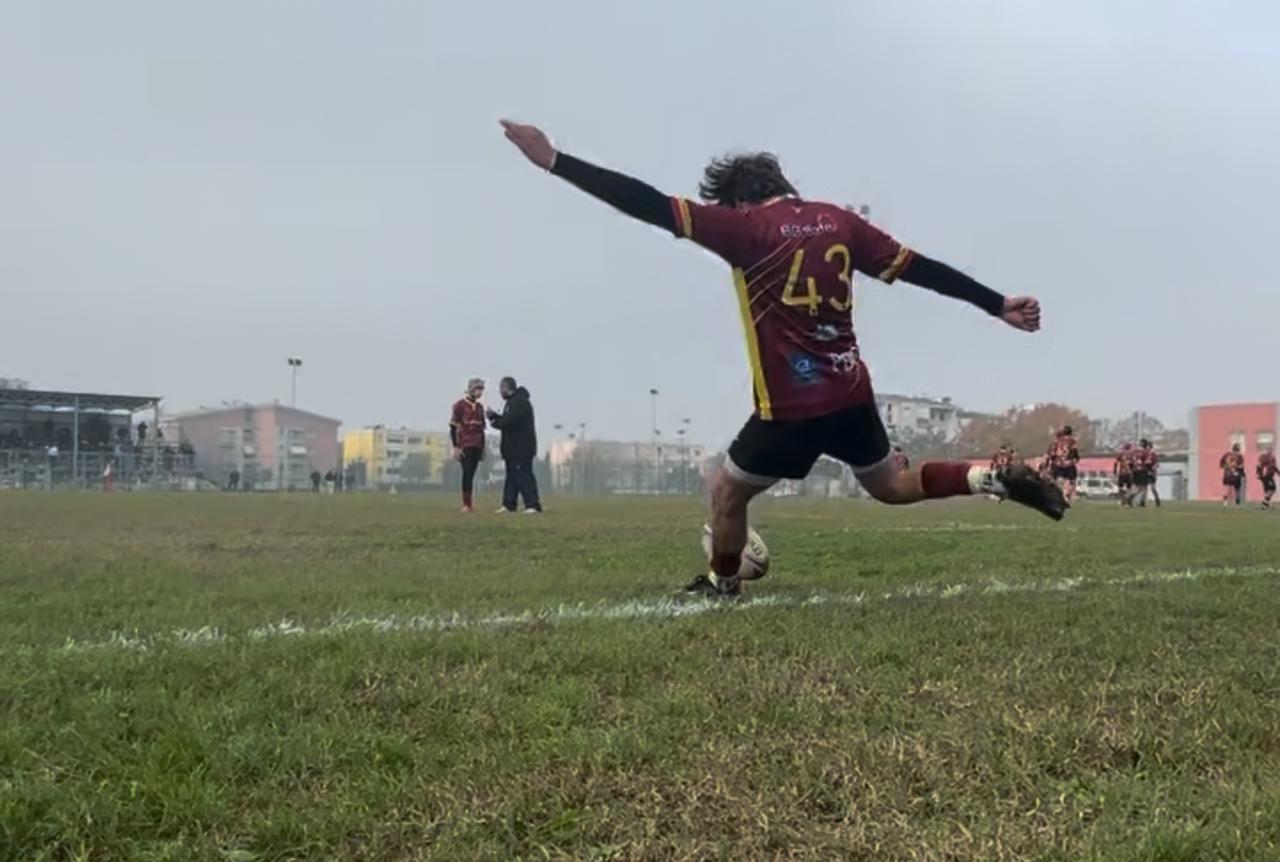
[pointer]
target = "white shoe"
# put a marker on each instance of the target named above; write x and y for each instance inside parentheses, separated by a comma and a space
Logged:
(533, 511)
(503, 510)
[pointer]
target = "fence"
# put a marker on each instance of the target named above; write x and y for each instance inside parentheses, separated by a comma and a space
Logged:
(35, 469)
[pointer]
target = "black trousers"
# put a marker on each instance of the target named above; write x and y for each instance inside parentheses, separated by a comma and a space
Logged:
(470, 463)
(521, 483)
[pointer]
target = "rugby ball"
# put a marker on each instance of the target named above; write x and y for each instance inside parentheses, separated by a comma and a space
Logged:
(755, 556)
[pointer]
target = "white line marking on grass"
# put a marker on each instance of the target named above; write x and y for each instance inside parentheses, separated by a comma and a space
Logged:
(638, 609)
(958, 527)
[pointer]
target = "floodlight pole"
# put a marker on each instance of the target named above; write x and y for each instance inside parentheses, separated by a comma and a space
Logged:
(295, 364)
(653, 439)
(75, 442)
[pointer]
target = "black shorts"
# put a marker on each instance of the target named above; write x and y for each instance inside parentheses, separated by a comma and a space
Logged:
(1231, 481)
(765, 452)
(1143, 479)
(1269, 485)
(1125, 480)
(1067, 472)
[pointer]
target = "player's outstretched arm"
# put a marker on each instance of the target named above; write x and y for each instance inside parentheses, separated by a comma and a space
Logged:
(628, 194)
(1020, 312)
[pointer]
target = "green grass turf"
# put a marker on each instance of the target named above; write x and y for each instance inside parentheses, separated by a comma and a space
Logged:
(959, 681)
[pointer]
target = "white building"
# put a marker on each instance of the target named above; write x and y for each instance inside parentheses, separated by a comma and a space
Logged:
(907, 416)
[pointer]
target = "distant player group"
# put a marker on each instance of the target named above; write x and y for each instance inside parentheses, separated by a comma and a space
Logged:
(1135, 470)
(1233, 473)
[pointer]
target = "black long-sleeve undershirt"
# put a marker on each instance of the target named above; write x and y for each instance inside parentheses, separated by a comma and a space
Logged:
(642, 201)
(628, 194)
(947, 280)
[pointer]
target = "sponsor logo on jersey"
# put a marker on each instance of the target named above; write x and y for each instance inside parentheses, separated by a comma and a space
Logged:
(846, 362)
(804, 368)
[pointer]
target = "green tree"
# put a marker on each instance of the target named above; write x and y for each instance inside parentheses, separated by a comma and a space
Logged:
(1027, 429)
(416, 468)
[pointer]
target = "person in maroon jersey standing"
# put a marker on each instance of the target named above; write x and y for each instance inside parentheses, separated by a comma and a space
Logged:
(1232, 464)
(793, 262)
(1002, 458)
(1267, 471)
(1146, 467)
(466, 430)
(1064, 461)
(1123, 470)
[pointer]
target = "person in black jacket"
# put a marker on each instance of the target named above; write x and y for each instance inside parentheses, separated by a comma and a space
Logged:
(519, 446)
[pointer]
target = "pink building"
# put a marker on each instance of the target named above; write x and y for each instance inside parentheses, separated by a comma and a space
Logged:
(272, 446)
(1214, 429)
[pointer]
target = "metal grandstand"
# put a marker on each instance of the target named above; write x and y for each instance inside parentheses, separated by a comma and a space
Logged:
(50, 439)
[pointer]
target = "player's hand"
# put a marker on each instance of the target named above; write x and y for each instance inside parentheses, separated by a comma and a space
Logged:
(1022, 312)
(531, 141)
(457, 453)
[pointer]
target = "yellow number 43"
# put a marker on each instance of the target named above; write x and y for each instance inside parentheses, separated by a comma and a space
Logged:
(810, 298)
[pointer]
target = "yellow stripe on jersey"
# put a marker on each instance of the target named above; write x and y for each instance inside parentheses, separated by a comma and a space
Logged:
(763, 404)
(895, 269)
(686, 220)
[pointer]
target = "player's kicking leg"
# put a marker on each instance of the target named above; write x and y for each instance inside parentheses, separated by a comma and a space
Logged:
(857, 437)
(938, 480)
(767, 452)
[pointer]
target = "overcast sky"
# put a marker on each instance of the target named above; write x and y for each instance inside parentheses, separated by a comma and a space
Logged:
(190, 192)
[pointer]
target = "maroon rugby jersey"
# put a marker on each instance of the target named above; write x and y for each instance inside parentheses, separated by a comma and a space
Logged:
(1063, 450)
(469, 423)
(793, 263)
(1267, 466)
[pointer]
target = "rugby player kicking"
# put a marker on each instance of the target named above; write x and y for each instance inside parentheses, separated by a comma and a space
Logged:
(793, 261)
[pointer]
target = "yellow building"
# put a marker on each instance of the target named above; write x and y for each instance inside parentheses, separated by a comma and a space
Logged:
(381, 456)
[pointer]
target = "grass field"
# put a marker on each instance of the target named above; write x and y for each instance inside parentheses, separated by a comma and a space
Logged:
(270, 678)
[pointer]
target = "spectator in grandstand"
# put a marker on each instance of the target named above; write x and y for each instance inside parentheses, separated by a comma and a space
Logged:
(519, 447)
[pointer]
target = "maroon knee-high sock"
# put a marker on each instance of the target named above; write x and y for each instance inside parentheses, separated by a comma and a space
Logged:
(942, 479)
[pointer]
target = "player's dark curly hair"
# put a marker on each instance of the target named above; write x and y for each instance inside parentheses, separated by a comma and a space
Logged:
(747, 178)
